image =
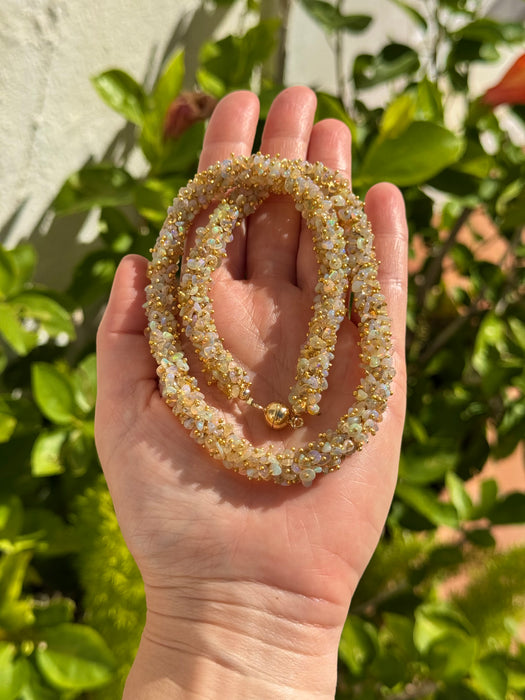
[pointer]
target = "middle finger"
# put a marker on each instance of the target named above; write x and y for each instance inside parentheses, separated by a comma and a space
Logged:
(273, 235)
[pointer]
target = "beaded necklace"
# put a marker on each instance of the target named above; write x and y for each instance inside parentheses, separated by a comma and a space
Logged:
(343, 244)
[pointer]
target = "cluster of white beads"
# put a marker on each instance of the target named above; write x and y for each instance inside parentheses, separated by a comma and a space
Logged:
(343, 245)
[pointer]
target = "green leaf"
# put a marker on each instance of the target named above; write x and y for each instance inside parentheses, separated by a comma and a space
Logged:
(513, 211)
(451, 657)
(426, 463)
(154, 196)
(46, 453)
(178, 156)
(166, 90)
(7, 273)
(461, 185)
(102, 185)
(16, 268)
(34, 687)
(53, 611)
(210, 84)
(117, 231)
(398, 116)
(85, 383)
(331, 107)
(24, 260)
(418, 153)
(11, 516)
(490, 344)
(425, 502)
(7, 424)
(412, 13)
(517, 328)
(439, 622)
(459, 496)
(509, 510)
(13, 567)
(489, 31)
(511, 430)
(490, 678)
(74, 657)
(392, 61)
(54, 538)
(93, 276)
(79, 449)
(400, 631)
(475, 161)
(168, 86)
(488, 495)
(10, 677)
(358, 645)
(429, 102)
(19, 338)
(28, 418)
(331, 18)
(53, 393)
(232, 60)
(45, 311)
(122, 93)
(17, 615)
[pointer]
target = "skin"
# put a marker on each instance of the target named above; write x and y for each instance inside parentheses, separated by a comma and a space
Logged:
(248, 584)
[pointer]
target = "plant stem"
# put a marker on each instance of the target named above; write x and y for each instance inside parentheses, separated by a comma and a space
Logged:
(434, 271)
(447, 333)
(432, 277)
(275, 67)
(340, 77)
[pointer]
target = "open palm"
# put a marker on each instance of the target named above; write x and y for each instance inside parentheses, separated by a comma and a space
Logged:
(191, 524)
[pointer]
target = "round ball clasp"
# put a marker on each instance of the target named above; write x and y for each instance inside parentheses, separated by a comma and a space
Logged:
(277, 415)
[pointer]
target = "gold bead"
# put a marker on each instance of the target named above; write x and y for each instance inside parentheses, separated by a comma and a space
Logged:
(277, 415)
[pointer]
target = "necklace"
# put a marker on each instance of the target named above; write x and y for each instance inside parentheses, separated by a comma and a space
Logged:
(343, 244)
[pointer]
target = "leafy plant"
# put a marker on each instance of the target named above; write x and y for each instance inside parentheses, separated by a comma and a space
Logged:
(69, 589)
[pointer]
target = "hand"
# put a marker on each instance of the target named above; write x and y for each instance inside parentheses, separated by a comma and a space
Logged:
(248, 583)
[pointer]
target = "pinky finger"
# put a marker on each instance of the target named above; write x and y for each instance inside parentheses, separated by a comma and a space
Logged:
(385, 209)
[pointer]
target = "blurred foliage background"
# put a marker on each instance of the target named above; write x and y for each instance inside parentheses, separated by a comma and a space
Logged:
(438, 613)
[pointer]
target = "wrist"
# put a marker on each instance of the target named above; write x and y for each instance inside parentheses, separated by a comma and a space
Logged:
(259, 644)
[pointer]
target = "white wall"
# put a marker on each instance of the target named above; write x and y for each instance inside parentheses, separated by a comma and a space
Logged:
(51, 119)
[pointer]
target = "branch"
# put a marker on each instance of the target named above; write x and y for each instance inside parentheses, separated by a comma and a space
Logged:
(340, 77)
(432, 276)
(433, 273)
(275, 67)
(475, 310)
(447, 333)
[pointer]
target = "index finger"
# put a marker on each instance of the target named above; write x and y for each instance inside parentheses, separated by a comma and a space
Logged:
(231, 128)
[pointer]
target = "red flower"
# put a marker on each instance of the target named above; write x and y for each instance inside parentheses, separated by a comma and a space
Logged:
(511, 88)
(185, 110)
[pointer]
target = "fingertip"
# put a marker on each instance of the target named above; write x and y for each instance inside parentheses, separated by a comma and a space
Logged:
(289, 123)
(385, 201)
(231, 128)
(331, 143)
(239, 100)
(297, 93)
